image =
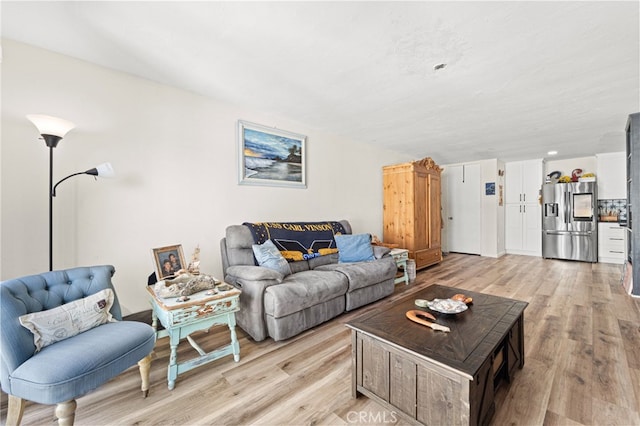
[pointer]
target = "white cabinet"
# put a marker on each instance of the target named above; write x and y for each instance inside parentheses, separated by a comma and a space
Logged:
(523, 181)
(611, 175)
(612, 243)
(523, 213)
(523, 231)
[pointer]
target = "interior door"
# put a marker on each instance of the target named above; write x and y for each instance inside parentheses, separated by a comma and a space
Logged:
(463, 208)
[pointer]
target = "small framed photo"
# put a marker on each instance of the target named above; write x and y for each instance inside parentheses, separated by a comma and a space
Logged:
(168, 261)
(271, 157)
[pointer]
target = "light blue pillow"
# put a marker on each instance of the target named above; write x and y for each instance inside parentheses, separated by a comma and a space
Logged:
(269, 256)
(354, 248)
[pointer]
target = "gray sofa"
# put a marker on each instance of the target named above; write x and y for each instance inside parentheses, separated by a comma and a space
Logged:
(318, 289)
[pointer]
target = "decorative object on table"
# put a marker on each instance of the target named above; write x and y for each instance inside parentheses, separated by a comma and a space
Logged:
(575, 175)
(587, 177)
(269, 156)
(194, 265)
(185, 284)
(447, 306)
(423, 318)
(554, 176)
(52, 130)
(462, 298)
(168, 261)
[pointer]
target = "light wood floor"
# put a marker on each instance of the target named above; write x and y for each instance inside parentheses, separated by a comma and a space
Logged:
(582, 364)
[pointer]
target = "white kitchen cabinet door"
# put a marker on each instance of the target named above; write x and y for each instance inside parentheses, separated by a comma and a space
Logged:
(531, 181)
(611, 175)
(532, 229)
(523, 181)
(513, 184)
(612, 243)
(523, 220)
(523, 231)
(513, 239)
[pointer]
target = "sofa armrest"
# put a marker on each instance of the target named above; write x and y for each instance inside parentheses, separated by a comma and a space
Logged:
(254, 273)
(252, 281)
(380, 251)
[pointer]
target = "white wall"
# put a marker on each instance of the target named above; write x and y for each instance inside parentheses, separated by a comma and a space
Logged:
(175, 155)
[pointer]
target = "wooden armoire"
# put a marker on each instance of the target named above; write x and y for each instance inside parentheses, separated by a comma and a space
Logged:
(411, 211)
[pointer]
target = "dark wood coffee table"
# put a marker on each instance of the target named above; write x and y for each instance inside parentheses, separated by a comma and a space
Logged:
(433, 377)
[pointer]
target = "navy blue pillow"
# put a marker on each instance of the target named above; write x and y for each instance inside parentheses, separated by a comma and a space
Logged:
(354, 248)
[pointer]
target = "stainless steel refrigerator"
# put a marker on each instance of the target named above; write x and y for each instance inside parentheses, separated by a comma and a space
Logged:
(570, 221)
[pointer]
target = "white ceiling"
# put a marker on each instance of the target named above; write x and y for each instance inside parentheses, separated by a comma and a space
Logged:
(522, 78)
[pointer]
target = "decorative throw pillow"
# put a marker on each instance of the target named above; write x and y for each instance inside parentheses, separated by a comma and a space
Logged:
(67, 320)
(268, 255)
(354, 248)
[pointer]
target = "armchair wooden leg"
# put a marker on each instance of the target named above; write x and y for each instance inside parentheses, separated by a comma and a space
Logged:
(15, 410)
(66, 413)
(145, 366)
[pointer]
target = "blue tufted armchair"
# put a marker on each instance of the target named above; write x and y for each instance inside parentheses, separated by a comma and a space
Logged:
(67, 369)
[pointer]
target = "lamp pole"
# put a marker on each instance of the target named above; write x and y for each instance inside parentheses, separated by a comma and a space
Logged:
(51, 207)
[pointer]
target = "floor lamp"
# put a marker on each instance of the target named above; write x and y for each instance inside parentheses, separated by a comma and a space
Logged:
(52, 130)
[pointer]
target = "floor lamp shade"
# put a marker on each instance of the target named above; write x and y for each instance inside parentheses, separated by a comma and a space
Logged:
(104, 170)
(51, 128)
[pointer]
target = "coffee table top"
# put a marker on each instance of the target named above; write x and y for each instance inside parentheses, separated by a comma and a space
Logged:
(475, 333)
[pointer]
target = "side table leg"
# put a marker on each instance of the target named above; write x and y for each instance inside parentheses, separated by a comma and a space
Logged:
(154, 321)
(234, 337)
(172, 370)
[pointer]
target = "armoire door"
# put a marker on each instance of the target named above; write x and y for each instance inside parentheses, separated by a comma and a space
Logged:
(462, 190)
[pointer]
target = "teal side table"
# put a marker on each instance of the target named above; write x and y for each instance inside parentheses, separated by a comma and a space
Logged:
(200, 312)
(401, 256)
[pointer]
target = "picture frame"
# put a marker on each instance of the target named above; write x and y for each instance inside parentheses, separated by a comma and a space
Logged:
(171, 254)
(270, 156)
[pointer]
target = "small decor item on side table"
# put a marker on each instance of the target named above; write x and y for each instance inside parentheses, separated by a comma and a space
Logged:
(185, 284)
(168, 261)
(194, 265)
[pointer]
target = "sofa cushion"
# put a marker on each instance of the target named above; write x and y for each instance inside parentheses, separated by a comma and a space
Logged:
(323, 260)
(299, 266)
(70, 359)
(302, 290)
(354, 248)
(268, 255)
(364, 274)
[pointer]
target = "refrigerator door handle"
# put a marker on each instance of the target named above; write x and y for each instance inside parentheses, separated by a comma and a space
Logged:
(557, 232)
